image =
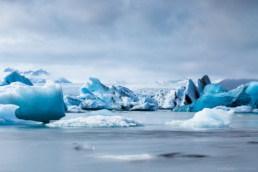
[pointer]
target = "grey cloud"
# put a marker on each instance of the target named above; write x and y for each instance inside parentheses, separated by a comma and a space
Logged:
(141, 40)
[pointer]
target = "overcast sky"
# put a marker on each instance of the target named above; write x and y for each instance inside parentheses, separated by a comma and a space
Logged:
(131, 40)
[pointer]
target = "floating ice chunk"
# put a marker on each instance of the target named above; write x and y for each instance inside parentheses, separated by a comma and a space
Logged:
(97, 121)
(207, 118)
(35, 103)
(139, 157)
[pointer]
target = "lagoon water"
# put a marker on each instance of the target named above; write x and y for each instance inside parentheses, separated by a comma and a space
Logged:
(151, 147)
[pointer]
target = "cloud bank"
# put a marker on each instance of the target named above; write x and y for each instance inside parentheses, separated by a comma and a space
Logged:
(143, 40)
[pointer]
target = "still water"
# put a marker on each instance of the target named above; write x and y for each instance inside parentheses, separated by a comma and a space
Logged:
(151, 147)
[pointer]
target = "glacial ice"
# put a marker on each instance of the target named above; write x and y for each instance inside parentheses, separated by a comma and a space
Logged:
(35, 103)
(207, 118)
(16, 77)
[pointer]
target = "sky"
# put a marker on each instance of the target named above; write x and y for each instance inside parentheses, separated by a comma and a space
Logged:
(131, 40)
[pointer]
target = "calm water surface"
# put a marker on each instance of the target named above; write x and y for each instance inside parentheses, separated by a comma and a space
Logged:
(153, 147)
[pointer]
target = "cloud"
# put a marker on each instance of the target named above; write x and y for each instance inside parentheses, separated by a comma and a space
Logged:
(131, 40)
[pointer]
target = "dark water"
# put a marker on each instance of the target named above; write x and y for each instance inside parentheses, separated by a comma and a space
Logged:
(153, 147)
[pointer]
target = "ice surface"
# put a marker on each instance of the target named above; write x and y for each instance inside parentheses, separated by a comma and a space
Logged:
(35, 103)
(16, 77)
(207, 118)
(97, 121)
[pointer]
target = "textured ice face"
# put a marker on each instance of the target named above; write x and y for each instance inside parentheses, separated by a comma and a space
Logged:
(207, 118)
(35, 103)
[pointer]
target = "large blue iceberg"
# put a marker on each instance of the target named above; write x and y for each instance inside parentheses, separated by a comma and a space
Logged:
(36, 103)
(214, 95)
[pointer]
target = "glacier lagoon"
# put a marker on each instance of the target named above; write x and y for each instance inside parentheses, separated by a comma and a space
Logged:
(152, 146)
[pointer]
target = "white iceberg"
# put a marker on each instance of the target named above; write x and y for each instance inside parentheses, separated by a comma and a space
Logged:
(97, 121)
(207, 118)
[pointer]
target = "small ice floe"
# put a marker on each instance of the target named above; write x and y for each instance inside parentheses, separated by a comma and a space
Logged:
(98, 121)
(136, 157)
(207, 118)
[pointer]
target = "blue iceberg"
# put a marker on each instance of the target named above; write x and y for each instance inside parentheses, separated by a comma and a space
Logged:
(36, 103)
(214, 95)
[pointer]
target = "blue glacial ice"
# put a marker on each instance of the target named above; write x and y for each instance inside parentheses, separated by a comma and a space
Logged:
(35, 102)
(205, 119)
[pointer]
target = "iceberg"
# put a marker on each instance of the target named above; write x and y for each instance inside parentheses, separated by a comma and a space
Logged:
(207, 118)
(181, 96)
(16, 77)
(214, 95)
(95, 96)
(35, 103)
